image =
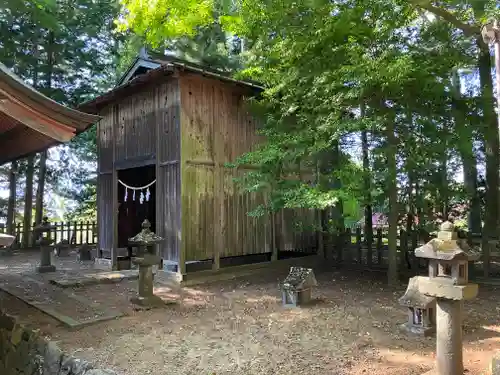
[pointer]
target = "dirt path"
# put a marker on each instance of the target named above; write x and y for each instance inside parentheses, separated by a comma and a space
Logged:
(240, 327)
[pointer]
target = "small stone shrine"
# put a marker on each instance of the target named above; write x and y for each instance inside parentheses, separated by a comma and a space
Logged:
(146, 260)
(447, 282)
(84, 252)
(62, 249)
(42, 233)
(297, 287)
(421, 310)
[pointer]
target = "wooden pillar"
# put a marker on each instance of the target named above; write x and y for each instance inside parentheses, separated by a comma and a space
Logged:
(159, 199)
(219, 159)
(114, 194)
(218, 211)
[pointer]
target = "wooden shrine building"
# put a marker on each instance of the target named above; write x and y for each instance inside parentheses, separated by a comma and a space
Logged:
(166, 133)
(31, 122)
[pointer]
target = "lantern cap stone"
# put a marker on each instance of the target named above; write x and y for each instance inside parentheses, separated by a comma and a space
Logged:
(44, 226)
(447, 246)
(145, 237)
(413, 297)
(447, 226)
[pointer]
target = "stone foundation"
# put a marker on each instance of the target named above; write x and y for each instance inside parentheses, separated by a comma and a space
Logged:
(24, 352)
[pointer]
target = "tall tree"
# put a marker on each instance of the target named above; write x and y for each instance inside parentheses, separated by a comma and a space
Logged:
(67, 49)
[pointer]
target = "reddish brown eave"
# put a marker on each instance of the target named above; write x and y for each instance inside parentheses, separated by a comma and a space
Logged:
(30, 121)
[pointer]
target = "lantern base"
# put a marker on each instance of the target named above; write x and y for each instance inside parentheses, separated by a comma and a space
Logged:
(45, 269)
(418, 330)
(147, 302)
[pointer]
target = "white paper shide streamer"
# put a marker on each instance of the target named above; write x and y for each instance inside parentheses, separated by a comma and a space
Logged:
(143, 192)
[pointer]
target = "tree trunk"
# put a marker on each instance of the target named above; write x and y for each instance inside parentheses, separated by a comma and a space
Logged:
(410, 214)
(28, 203)
(392, 273)
(43, 155)
(443, 188)
(11, 207)
(469, 162)
(337, 184)
(41, 187)
(368, 225)
(491, 143)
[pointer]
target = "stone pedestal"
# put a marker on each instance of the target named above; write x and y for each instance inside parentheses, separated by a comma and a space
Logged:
(45, 260)
(145, 296)
(449, 337)
(44, 228)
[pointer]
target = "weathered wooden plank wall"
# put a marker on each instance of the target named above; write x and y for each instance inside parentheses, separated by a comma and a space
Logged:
(136, 132)
(198, 166)
(168, 170)
(105, 140)
(216, 129)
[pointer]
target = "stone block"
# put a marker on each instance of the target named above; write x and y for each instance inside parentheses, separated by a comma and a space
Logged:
(52, 359)
(84, 253)
(100, 372)
(495, 365)
(103, 264)
(418, 330)
(23, 352)
(147, 302)
(433, 288)
(46, 269)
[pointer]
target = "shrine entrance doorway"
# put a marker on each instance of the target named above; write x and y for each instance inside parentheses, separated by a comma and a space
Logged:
(136, 201)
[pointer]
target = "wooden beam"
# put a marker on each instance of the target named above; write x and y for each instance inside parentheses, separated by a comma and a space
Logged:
(159, 182)
(114, 195)
(218, 180)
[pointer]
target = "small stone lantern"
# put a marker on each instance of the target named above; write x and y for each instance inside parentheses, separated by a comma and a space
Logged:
(146, 260)
(44, 241)
(296, 288)
(421, 310)
(448, 282)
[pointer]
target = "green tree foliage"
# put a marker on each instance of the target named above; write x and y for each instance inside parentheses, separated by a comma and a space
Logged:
(320, 63)
(67, 50)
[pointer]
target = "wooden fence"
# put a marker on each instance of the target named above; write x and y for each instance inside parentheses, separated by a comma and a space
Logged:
(76, 233)
(350, 247)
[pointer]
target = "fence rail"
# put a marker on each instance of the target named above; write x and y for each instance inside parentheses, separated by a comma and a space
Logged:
(351, 247)
(76, 232)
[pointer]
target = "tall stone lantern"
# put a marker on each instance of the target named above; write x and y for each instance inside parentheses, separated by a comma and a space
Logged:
(146, 240)
(448, 282)
(44, 240)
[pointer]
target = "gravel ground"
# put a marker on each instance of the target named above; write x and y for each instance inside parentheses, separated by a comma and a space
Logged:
(239, 327)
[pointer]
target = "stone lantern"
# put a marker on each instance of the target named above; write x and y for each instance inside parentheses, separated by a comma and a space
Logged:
(448, 282)
(421, 310)
(146, 260)
(44, 241)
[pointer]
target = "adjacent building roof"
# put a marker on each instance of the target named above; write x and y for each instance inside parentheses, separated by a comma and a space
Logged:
(32, 122)
(146, 69)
